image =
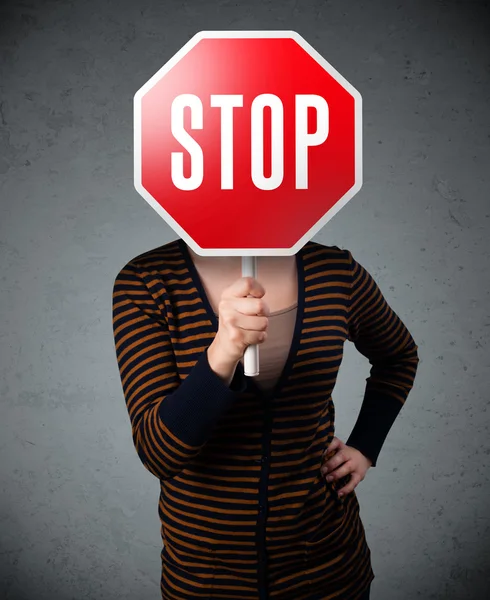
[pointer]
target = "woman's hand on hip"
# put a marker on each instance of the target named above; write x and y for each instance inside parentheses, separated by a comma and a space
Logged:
(340, 460)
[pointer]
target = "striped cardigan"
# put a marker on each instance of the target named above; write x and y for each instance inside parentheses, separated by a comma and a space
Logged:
(245, 512)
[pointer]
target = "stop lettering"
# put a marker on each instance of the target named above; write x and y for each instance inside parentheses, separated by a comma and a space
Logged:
(226, 103)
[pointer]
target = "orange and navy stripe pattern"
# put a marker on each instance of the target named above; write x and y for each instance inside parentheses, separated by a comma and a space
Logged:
(244, 510)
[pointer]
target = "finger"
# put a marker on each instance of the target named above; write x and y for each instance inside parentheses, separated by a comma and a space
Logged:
(334, 445)
(340, 472)
(244, 306)
(247, 322)
(335, 462)
(351, 486)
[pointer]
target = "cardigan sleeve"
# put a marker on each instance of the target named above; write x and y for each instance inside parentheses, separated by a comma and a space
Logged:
(171, 419)
(379, 334)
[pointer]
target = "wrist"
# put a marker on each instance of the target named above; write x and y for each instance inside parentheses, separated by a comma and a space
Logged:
(220, 363)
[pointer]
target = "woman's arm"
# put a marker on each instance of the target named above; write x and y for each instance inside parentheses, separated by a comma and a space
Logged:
(171, 420)
(379, 334)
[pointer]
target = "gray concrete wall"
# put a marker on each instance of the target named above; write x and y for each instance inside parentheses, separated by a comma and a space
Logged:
(78, 511)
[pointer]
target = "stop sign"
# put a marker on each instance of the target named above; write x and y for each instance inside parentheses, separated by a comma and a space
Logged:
(247, 142)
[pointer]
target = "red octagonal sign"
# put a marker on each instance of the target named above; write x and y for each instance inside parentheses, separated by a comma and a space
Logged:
(247, 142)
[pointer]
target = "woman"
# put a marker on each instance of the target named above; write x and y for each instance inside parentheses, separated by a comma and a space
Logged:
(257, 496)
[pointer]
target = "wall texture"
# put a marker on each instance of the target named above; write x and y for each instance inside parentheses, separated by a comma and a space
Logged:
(78, 512)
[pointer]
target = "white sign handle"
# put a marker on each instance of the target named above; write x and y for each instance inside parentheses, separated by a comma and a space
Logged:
(251, 356)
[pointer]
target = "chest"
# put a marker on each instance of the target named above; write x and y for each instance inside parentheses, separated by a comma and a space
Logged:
(278, 277)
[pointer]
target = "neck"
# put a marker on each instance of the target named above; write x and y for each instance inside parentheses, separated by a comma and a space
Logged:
(234, 263)
(223, 260)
